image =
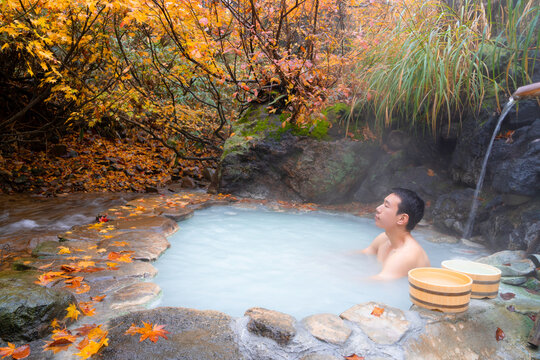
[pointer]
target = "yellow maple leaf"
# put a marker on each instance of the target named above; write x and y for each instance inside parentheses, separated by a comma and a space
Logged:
(63, 250)
(89, 350)
(72, 312)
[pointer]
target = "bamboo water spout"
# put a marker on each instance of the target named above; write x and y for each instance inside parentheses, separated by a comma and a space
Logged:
(527, 91)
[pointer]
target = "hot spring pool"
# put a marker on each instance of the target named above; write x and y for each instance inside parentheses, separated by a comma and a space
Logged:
(230, 259)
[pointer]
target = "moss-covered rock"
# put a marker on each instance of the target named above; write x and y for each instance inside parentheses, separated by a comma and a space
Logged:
(27, 309)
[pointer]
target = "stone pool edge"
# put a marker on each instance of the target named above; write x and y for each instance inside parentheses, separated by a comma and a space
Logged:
(268, 334)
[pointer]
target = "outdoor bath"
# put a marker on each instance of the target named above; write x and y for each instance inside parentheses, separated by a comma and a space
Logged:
(231, 258)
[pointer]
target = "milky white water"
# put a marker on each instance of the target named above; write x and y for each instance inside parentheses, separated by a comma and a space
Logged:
(230, 259)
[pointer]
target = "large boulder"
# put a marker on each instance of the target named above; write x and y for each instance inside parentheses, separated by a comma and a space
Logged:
(296, 168)
(27, 309)
(193, 335)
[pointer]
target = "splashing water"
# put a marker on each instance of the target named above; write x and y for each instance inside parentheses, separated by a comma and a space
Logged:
(230, 259)
(470, 222)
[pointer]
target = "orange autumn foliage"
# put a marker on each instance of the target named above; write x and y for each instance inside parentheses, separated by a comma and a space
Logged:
(20, 352)
(148, 331)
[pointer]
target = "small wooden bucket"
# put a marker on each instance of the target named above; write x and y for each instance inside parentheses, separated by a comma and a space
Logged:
(440, 289)
(486, 278)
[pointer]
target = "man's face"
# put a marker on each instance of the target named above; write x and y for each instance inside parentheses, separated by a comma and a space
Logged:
(386, 213)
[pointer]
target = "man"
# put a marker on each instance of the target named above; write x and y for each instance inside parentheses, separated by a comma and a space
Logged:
(395, 248)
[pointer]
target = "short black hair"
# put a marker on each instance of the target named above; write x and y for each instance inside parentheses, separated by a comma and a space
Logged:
(411, 204)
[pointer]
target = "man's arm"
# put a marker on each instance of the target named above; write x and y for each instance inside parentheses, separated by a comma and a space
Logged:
(372, 249)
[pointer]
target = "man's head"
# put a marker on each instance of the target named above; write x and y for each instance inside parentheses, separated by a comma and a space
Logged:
(402, 207)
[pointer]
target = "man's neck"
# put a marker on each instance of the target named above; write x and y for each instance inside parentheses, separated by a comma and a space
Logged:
(397, 237)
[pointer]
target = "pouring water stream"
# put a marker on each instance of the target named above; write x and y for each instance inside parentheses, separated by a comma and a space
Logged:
(528, 91)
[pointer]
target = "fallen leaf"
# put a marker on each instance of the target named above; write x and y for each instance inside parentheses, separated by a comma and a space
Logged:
(149, 331)
(354, 357)
(507, 296)
(377, 311)
(55, 324)
(45, 266)
(98, 298)
(112, 266)
(511, 308)
(72, 311)
(63, 250)
(21, 352)
(430, 172)
(86, 308)
(122, 256)
(85, 264)
(120, 243)
(74, 282)
(499, 334)
(7, 351)
(82, 289)
(85, 329)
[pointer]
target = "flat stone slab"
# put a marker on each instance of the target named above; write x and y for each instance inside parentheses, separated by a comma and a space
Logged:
(271, 324)
(385, 329)
(51, 249)
(136, 269)
(147, 245)
(193, 335)
(471, 335)
(328, 327)
(158, 224)
(134, 295)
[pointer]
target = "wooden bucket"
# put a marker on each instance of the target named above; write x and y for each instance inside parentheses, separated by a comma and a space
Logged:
(486, 278)
(440, 289)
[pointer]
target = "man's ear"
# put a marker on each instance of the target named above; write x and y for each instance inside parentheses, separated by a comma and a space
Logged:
(403, 219)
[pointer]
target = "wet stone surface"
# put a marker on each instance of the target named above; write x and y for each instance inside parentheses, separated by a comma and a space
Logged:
(328, 328)
(386, 328)
(271, 324)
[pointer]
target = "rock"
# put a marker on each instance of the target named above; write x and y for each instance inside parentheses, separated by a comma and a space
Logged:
(275, 164)
(187, 183)
(317, 356)
(51, 249)
(271, 324)
(208, 173)
(193, 335)
(532, 284)
(524, 300)
(471, 335)
(517, 268)
(136, 294)
(174, 213)
(147, 245)
(27, 309)
(511, 263)
(502, 257)
(386, 329)
(158, 224)
(136, 269)
(328, 327)
(514, 280)
(451, 211)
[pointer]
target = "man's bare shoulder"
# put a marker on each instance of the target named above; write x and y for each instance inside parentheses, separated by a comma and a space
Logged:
(375, 244)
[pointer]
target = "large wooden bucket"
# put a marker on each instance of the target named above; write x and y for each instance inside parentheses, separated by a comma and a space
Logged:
(440, 289)
(486, 278)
